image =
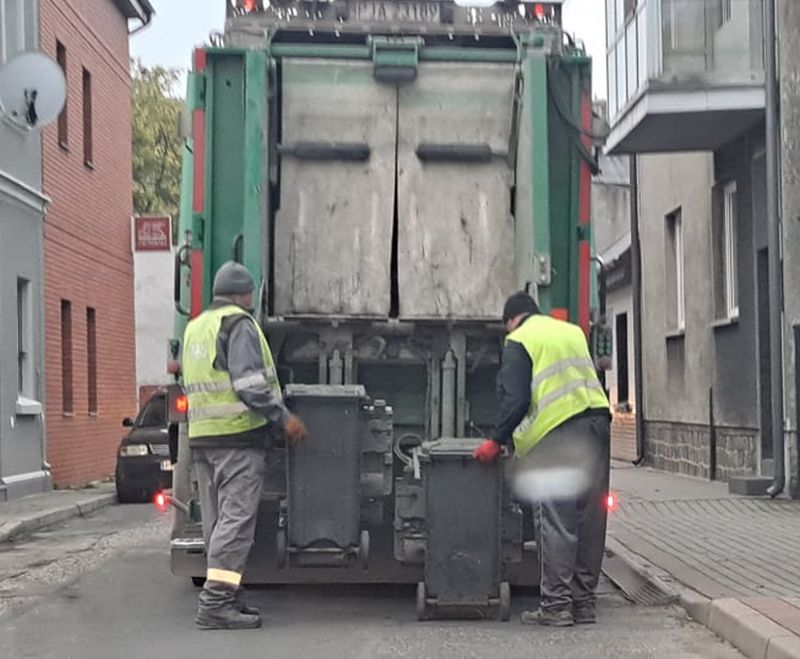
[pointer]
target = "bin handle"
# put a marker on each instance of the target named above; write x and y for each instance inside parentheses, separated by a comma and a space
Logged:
(179, 263)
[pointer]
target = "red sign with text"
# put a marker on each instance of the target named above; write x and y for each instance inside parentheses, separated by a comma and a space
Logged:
(153, 234)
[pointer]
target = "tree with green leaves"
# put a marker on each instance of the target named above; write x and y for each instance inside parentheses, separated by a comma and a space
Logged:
(157, 143)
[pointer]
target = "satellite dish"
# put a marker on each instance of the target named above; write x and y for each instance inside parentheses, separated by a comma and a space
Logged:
(32, 90)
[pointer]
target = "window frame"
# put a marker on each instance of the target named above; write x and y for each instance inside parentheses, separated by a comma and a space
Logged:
(675, 278)
(88, 118)
(67, 366)
(730, 252)
(62, 58)
(91, 361)
(26, 12)
(26, 386)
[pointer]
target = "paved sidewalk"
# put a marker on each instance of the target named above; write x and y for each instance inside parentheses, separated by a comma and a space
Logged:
(733, 561)
(25, 515)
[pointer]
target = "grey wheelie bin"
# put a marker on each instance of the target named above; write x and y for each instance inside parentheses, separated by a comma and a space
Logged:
(463, 500)
(321, 521)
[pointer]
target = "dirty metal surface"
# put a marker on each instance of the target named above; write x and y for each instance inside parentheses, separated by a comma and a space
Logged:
(334, 229)
(456, 233)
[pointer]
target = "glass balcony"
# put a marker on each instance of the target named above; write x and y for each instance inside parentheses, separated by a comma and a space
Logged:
(683, 74)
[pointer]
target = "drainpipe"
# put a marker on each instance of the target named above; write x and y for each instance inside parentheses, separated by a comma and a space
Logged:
(773, 247)
(601, 320)
(795, 491)
(712, 437)
(636, 282)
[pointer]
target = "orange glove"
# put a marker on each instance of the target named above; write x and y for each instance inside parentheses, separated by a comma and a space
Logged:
(295, 429)
(487, 451)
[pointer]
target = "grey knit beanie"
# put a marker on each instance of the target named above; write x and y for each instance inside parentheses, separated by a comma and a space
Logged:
(233, 279)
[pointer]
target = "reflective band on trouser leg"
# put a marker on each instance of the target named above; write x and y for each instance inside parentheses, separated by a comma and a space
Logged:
(223, 576)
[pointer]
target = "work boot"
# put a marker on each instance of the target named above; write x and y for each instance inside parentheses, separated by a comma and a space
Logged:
(547, 618)
(217, 609)
(243, 607)
(226, 617)
(584, 614)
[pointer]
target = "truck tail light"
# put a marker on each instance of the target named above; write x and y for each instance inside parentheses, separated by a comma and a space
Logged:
(161, 502)
(611, 502)
(181, 404)
(546, 12)
(178, 404)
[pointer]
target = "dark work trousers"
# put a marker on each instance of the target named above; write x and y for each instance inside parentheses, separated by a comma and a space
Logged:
(230, 482)
(572, 531)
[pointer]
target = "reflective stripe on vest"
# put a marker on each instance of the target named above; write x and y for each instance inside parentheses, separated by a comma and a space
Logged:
(563, 379)
(217, 411)
(215, 408)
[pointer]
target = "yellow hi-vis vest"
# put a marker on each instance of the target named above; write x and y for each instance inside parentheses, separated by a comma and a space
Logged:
(563, 382)
(215, 409)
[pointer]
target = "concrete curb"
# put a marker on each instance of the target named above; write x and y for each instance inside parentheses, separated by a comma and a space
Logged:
(44, 518)
(750, 632)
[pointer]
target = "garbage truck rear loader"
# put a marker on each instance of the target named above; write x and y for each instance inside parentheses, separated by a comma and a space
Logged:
(389, 172)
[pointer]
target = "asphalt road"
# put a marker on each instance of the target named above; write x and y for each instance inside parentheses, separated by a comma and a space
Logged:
(100, 587)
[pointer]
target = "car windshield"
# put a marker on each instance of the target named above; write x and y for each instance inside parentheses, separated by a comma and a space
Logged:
(154, 413)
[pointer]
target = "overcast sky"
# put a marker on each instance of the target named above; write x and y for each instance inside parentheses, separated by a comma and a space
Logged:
(179, 25)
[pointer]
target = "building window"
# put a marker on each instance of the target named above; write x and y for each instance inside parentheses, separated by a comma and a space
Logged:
(88, 146)
(630, 9)
(67, 400)
(731, 232)
(673, 260)
(678, 15)
(725, 233)
(63, 127)
(25, 384)
(724, 11)
(91, 358)
(17, 28)
(621, 336)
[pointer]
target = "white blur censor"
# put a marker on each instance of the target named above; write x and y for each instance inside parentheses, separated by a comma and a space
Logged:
(553, 483)
(559, 467)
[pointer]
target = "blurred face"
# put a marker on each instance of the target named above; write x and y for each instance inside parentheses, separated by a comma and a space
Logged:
(245, 300)
(514, 322)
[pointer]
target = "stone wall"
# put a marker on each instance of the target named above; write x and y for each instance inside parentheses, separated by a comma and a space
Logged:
(623, 436)
(684, 448)
(791, 466)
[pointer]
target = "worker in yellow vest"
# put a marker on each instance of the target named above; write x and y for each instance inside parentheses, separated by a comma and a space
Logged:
(235, 406)
(551, 402)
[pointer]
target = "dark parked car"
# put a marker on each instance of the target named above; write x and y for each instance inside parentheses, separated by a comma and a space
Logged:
(144, 465)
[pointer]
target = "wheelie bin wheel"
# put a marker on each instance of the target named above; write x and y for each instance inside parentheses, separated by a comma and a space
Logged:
(280, 548)
(363, 550)
(505, 601)
(422, 601)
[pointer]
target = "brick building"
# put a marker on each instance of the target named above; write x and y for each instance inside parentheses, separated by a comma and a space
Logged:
(90, 369)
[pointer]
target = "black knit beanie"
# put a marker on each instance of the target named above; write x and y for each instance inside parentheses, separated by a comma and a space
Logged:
(517, 304)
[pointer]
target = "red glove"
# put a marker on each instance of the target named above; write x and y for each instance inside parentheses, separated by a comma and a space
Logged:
(295, 429)
(488, 451)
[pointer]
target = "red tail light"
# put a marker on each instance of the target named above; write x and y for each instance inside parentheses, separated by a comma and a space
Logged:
(611, 502)
(161, 502)
(181, 404)
(538, 11)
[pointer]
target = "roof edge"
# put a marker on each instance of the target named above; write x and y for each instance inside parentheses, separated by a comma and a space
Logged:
(140, 10)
